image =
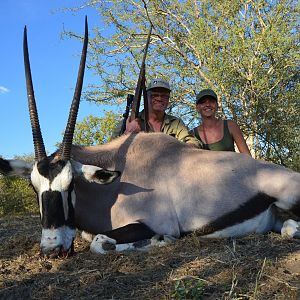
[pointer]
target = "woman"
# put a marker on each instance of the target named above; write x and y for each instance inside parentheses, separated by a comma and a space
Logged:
(217, 134)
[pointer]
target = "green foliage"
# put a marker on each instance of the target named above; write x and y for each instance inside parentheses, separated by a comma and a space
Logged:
(94, 130)
(246, 50)
(26, 157)
(188, 289)
(17, 196)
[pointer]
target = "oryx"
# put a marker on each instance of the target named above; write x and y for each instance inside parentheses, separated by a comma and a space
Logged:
(165, 187)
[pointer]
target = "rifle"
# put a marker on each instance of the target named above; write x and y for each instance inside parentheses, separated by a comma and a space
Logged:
(140, 88)
(126, 113)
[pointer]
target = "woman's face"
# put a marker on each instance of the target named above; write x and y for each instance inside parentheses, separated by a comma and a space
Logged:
(207, 107)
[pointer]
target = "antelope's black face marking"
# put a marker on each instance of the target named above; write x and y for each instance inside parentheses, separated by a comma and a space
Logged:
(49, 169)
(53, 210)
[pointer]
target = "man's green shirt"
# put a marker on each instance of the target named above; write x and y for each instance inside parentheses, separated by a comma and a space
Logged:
(171, 125)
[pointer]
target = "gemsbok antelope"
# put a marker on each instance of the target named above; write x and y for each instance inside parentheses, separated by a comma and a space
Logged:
(160, 187)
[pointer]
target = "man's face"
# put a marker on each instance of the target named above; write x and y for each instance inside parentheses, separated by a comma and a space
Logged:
(159, 99)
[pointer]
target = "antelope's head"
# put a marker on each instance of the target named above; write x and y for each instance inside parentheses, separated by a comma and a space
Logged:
(53, 177)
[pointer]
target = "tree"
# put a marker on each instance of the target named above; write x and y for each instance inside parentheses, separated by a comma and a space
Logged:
(247, 51)
(94, 130)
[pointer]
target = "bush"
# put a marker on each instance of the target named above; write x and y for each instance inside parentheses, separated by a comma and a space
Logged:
(17, 196)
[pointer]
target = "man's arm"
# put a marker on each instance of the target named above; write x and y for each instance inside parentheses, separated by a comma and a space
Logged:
(133, 126)
(183, 135)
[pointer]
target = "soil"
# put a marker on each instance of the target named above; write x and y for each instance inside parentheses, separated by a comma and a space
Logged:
(254, 267)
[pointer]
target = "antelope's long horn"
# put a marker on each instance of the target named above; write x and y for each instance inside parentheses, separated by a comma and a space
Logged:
(39, 148)
(69, 132)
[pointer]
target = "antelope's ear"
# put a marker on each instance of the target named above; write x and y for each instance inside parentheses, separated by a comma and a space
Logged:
(15, 167)
(94, 173)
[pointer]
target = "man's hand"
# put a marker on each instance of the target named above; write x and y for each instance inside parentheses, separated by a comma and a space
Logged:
(133, 126)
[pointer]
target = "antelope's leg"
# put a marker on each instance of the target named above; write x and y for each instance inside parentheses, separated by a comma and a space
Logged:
(129, 237)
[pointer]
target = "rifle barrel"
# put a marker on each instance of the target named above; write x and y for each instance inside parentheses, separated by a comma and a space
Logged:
(141, 82)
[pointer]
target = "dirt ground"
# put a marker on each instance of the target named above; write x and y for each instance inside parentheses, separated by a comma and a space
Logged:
(255, 267)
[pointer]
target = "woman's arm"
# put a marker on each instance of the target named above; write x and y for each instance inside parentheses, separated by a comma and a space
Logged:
(238, 137)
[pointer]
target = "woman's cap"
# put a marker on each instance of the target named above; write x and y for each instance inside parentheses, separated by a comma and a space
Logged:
(206, 93)
(159, 83)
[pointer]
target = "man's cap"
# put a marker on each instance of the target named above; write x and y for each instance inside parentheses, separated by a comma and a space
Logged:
(159, 83)
(206, 93)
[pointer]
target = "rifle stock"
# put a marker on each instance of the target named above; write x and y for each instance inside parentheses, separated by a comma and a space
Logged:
(126, 113)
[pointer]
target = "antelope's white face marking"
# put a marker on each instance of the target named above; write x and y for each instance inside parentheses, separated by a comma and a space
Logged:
(56, 238)
(40, 184)
(60, 183)
(73, 196)
(63, 180)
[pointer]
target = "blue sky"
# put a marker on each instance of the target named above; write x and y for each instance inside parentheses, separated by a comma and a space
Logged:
(54, 66)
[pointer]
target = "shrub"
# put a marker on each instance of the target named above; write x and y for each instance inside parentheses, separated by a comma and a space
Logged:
(189, 288)
(17, 196)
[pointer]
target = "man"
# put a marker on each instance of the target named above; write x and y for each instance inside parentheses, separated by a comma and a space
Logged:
(158, 94)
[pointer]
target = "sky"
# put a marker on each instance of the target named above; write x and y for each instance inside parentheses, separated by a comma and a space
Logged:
(54, 65)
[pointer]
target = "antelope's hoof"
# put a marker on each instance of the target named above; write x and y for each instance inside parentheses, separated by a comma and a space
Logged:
(291, 228)
(101, 244)
(162, 240)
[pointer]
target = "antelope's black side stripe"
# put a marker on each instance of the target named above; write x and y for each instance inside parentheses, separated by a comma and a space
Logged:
(249, 210)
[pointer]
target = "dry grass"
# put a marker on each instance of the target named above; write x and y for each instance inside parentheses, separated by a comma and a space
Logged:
(256, 267)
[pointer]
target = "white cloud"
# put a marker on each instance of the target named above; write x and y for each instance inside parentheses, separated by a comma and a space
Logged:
(3, 90)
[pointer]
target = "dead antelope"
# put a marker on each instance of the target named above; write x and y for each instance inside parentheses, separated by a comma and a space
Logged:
(165, 187)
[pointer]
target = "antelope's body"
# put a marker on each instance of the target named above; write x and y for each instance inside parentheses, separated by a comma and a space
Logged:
(175, 189)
